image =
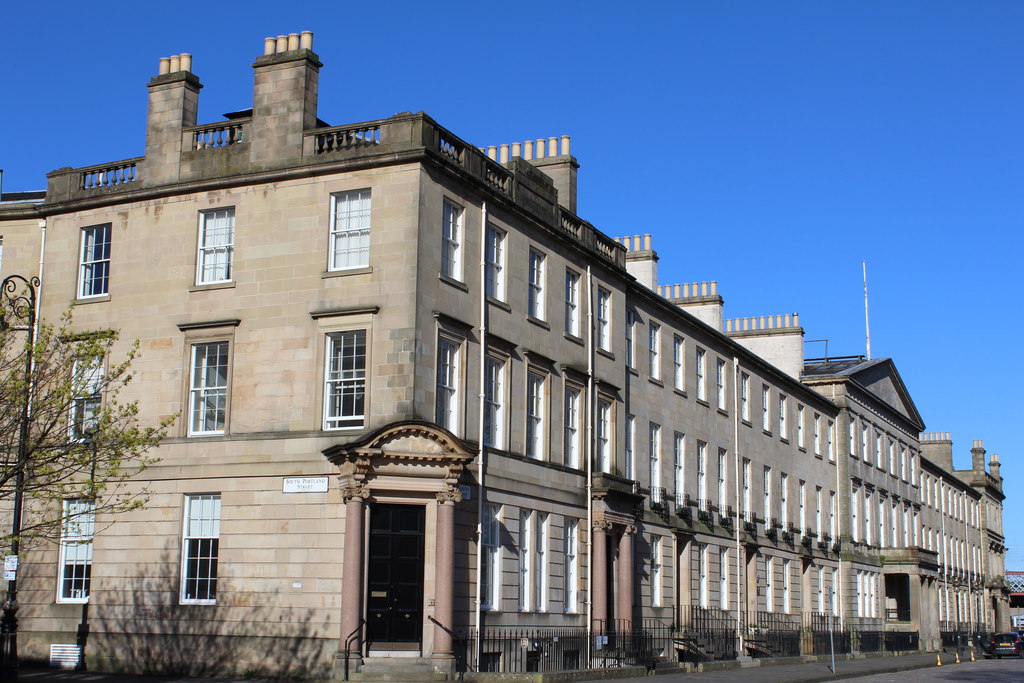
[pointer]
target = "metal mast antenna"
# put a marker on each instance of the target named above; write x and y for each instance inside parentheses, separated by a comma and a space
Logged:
(867, 321)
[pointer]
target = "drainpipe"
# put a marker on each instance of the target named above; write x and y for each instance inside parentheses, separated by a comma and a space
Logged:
(943, 546)
(589, 467)
(740, 594)
(481, 450)
(42, 262)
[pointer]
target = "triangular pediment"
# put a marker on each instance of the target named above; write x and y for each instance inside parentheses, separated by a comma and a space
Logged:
(883, 380)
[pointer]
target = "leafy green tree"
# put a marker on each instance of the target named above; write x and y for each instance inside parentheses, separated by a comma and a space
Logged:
(82, 441)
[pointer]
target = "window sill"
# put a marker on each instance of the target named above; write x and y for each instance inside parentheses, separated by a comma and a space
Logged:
(539, 323)
(746, 422)
(92, 299)
(702, 402)
(606, 353)
(573, 338)
(197, 602)
(457, 284)
(344, 273)
(72, 601)
(497, 303)
(723, 411)
(784, 439)
(655, 381)
(206, 435)
(212, 285)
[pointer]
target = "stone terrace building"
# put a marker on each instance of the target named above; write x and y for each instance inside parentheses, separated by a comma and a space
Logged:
(420, 399)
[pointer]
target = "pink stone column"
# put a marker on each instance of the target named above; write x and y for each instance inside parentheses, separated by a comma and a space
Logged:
(444, 573)
(599, 571)
(624, 582)
(352, 572)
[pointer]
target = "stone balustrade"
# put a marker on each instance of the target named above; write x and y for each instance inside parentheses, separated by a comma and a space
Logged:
(217, 135)
(764, 322)
(341, 138)
(109, 175)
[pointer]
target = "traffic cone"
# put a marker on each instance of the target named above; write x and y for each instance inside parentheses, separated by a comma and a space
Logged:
(938, 659)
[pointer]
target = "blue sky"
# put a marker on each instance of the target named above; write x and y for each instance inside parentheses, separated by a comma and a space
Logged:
(771, 146)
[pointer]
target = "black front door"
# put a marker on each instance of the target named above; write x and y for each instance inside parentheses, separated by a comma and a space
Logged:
(394, 605)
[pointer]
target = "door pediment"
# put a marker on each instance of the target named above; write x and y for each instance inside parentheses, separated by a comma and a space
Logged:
(398, 454)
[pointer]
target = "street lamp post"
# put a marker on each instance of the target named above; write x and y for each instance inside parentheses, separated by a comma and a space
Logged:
(19, 293)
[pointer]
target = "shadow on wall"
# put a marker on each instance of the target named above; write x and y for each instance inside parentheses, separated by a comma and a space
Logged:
(142, 628)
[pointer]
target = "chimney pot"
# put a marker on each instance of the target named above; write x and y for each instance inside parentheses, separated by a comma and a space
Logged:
(165, 65)
(516, 149)
(282, 43)
(293, 41)
(492, 152)
(186, 61)
(269, 45)
(503, 154)
(552, 147)
(306, 40)
(175, 63)
(565, 145)
(528, 152)
(538, 150)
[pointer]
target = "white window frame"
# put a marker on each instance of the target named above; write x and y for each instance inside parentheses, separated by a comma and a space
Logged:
(800, 426)
(572, 303)
(208, 395)
(817, 434)
(526, 560)
(817, 510)
(87, 373)
(766, 408)
(490, 542)
(654, 457)
(494, 263)
(604, 435)
(572, 437)
(720, 383)
(654, 350)
(94, 261)
(494, 402)
(702, 570)
(535, 283)
(700, 370)
(830, 432)
(679, 465)
(451, 240)
(536, 410)
(350, 230)
(678, 371)
(572, 565)
(769, 584)
(604, 319)
(802, 504)
(345, 379)
(74, 566)
(787, 602)
(447, 404)
(702, 471)
(201, 522)
(723, 475)
(745, 397)
(215, 249)
(723, 578)
(746, 500)
(783, 425)
(832, 515)
(767, 486)
(784, 498)
(540, 555)
(657, 596)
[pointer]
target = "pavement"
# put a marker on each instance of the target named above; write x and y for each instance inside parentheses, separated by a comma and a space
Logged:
(790, 673)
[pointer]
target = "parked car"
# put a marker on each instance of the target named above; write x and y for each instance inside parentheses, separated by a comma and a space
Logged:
(1010, 644)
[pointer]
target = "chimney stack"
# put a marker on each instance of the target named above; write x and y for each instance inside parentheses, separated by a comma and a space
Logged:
(978, 457)
(993, 467)
(173, 105)
(284, 99)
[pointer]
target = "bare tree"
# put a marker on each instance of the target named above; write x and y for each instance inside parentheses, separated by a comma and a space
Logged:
(81, 440)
